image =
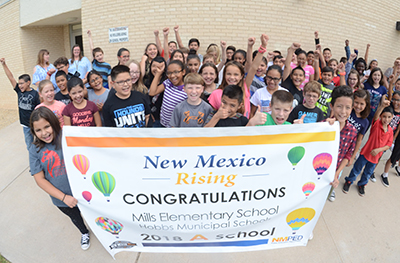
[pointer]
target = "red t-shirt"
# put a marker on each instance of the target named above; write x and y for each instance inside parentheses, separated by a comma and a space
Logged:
(336, 81)
(378, 138)
(81, 117)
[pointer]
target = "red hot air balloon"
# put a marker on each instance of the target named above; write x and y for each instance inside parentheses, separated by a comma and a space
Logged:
(87, 196)
(81, 163)
(321, 163)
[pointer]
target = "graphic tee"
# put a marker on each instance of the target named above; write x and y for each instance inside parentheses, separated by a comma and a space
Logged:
(81, 117)
(27, 102)
(187, 115)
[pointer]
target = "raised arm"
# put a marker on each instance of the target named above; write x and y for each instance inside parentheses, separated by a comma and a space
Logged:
(178, 37)
(384, 103)
(347, 48)
(8, 72)
(223, 56)
(89, 33)
(257, 60)
(288, 68)
(317, 53)
(158, 42)
(143, 64)
(166, 48)
(392, 80)
(366, 53)
(154, 87)
(316, 38)
(249, 55)
(342, 73)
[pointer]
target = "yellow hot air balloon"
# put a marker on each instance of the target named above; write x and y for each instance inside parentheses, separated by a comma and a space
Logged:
(299, 218)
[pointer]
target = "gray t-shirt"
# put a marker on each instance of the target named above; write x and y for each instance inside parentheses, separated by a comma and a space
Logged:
(51, 161)
(186, 115)
(98, 99)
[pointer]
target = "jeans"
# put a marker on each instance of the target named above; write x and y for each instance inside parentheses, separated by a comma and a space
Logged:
(28, 136)
(358, 166)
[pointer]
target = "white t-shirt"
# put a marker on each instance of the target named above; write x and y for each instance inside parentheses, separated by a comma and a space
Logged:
(262, 97)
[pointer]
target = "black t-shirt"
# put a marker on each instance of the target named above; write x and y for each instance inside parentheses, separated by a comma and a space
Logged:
(27, 101)
(63, 98)
(312, 115)
(126, 113)
(237, 120)
(297, 94)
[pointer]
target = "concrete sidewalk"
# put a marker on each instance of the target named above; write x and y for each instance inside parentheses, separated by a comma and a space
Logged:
(352, 229)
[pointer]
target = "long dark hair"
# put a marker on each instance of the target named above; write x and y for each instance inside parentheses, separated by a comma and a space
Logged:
(371, 81)
(149, 80)
(48, 115)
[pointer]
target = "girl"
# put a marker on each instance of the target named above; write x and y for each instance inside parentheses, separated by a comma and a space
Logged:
(79, 65)
(213, 49)
(353, 80)
(209, 58)
(47, 167)
(158, 63)
(173, 88)
(240, 56)
(258, 81)
(193, 63)
(177, 55)
(150, 53)
(394, 69)
(137, 77)
(209, 72)
(293, 83)
(373, 64)
(98, 93)
(80, 112)
(233, 74)
(374, 85)
(43, 70)
(333, 63)
(360, 65)
(301, 57)
(123, 55)
(358, 117)
(46, 93)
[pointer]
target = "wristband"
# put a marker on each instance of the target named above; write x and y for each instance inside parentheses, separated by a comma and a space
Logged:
(342, 73)
(63, 197)
(262, 50)
(48, 73)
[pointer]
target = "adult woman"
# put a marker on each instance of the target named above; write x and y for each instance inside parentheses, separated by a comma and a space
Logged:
(43, 70)
(78, 64)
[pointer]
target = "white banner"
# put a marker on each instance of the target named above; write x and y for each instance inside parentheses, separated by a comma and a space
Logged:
(201, 189)
(118, 34)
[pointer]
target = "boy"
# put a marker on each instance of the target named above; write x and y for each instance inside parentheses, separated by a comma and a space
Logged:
(28, 99)
(62, 95)
(380, 140)
(341, 106)
(126, 108)
(327, 53)
(100, 66)
(326, 91)
(311, 91)
(61, 64)
(278, 60)
(227, 115)
(193, 111)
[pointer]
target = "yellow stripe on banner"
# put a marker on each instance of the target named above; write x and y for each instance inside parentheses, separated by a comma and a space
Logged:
(116, 142)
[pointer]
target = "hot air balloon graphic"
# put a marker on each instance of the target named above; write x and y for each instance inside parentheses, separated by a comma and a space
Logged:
(81, 163)
(87, 196)
(109, 225)
(308, 188)
(299, 218)
(321, 163)
(295, 155)
(104, 182)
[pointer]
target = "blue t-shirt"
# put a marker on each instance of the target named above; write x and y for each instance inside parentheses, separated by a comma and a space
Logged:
(376, 95)
(104, 69)
(361, 125)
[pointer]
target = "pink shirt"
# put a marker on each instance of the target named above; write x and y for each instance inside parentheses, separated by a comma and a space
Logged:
(215, 100)
(57, 108)
(309, 70)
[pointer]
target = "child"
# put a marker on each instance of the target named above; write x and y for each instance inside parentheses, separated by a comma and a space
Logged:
(312, 91)
(123, 56)
(228, 115)
(47, 167)
(173, 88)
(126, 108)
(194, 44)
(259, 78)
(98, 62)
(193, 111)
(240, 56)
(209, 72)
(230, 50)
(46, 93)
(137, 77)
(292, 83)
(374, 85)
(150, 53)
(380, 139)
(333, 63)
(28, 99)
(341, 105)
(358, 118)
(281, 106)
(326, 91)
(98, 93)
(353, 80)
(62, 95)
(61, 64)
(80, 112)
(193, 63)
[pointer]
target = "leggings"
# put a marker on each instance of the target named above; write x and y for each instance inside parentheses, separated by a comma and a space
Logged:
(76, 218)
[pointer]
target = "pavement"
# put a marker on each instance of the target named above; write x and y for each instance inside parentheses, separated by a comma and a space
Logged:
(351, 229)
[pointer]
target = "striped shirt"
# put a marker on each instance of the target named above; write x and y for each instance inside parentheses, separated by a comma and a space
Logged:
(172, 96)
(104, 69)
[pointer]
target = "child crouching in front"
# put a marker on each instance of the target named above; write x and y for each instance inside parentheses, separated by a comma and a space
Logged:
(380, 140)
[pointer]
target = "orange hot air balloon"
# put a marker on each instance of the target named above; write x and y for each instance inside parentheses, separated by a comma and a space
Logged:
(81, 163)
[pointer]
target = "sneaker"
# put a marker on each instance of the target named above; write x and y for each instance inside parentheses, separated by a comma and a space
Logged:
(346, 187)
(397, 170)
(372, 178)
(311, 236)
(332, 197)
(361, 190)
(85, 241)
(385, 181)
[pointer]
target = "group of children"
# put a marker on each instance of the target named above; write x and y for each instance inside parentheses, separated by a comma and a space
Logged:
(171, 87)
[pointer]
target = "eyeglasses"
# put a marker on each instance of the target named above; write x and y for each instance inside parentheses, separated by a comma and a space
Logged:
(169, 73)
(95, 79)
(127, 56)
(134, 72)
(273, 79)
(122, 82)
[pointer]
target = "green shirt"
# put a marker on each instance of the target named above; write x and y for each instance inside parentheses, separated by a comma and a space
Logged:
(270, 121)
